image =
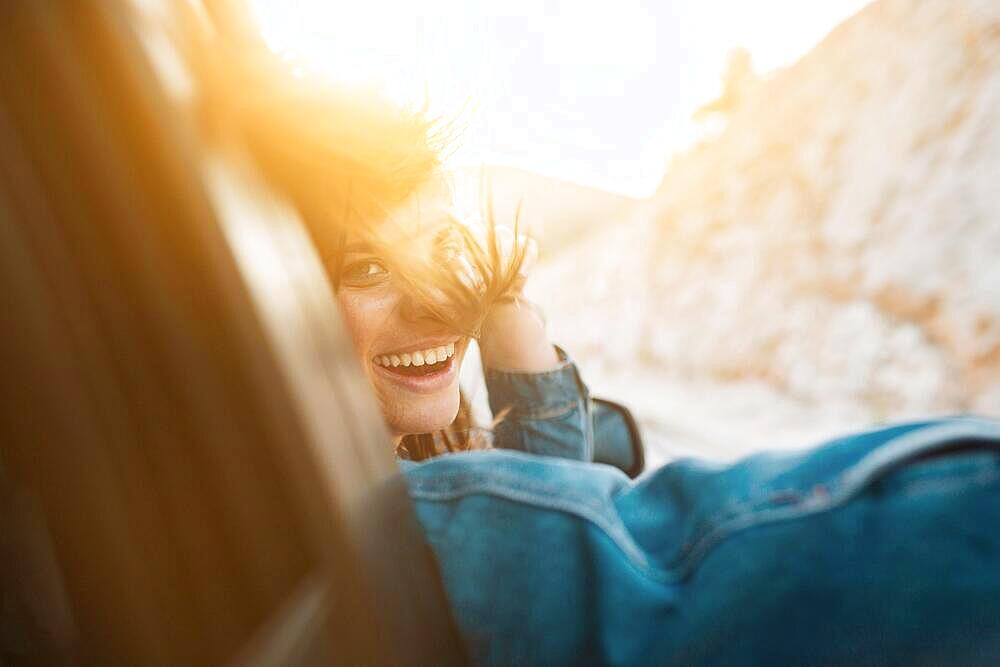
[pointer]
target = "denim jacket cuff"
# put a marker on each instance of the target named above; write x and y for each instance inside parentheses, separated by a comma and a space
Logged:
(535, 395)
(545, 413)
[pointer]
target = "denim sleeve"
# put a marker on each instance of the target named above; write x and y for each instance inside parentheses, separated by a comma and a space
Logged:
(877, 548)
(547, 413)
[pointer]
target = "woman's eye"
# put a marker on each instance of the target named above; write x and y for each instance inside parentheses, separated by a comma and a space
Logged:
(364, 273)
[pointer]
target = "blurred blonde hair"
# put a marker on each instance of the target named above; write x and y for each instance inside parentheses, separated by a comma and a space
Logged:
(346, 160)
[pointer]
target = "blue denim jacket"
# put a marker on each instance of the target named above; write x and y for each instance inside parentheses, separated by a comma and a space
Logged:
(877, 548)
(552, 414)
(546, 413)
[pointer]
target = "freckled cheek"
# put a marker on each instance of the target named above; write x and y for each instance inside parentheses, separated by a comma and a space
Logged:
(367, 318)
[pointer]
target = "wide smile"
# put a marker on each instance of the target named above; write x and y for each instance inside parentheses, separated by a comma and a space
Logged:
(415, 359)
(423, 370)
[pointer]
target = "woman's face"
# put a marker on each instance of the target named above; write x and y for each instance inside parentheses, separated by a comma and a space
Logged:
(410, 357)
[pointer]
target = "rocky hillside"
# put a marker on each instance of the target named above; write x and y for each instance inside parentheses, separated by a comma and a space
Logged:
(830, 259)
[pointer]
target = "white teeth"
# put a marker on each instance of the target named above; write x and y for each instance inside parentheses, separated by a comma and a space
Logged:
(434, 355)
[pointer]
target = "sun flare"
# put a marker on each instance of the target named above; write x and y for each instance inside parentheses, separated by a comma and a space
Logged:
(595, 93)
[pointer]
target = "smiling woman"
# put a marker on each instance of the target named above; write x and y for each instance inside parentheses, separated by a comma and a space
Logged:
(210, 492)
(413, 291)
(413, 282)
(410, 356)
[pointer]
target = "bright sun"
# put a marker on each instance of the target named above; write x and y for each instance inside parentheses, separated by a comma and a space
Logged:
(597, 93)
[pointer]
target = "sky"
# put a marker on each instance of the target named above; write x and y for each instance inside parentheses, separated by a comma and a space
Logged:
(598, 93)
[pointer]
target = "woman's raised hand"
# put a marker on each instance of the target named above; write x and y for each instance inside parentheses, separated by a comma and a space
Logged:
(513, 336)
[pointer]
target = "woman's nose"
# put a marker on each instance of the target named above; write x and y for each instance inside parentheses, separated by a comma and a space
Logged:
(414, 309)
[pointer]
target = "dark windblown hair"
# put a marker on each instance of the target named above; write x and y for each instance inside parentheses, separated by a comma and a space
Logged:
(345, 160)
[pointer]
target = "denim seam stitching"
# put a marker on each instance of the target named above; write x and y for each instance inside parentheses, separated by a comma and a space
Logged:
(545, 446)
(548, 413)
(778, 515)
(925, 486)
(845, 488)
(511, 373)
(618, 535)
(546, 495)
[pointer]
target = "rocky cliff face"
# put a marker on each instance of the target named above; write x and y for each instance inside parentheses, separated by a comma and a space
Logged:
(835, 249)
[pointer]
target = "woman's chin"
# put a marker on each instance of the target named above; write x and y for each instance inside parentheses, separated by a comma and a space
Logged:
(418, 403)
(407, 415)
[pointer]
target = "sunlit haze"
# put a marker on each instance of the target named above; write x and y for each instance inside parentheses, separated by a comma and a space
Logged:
(597, 93)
